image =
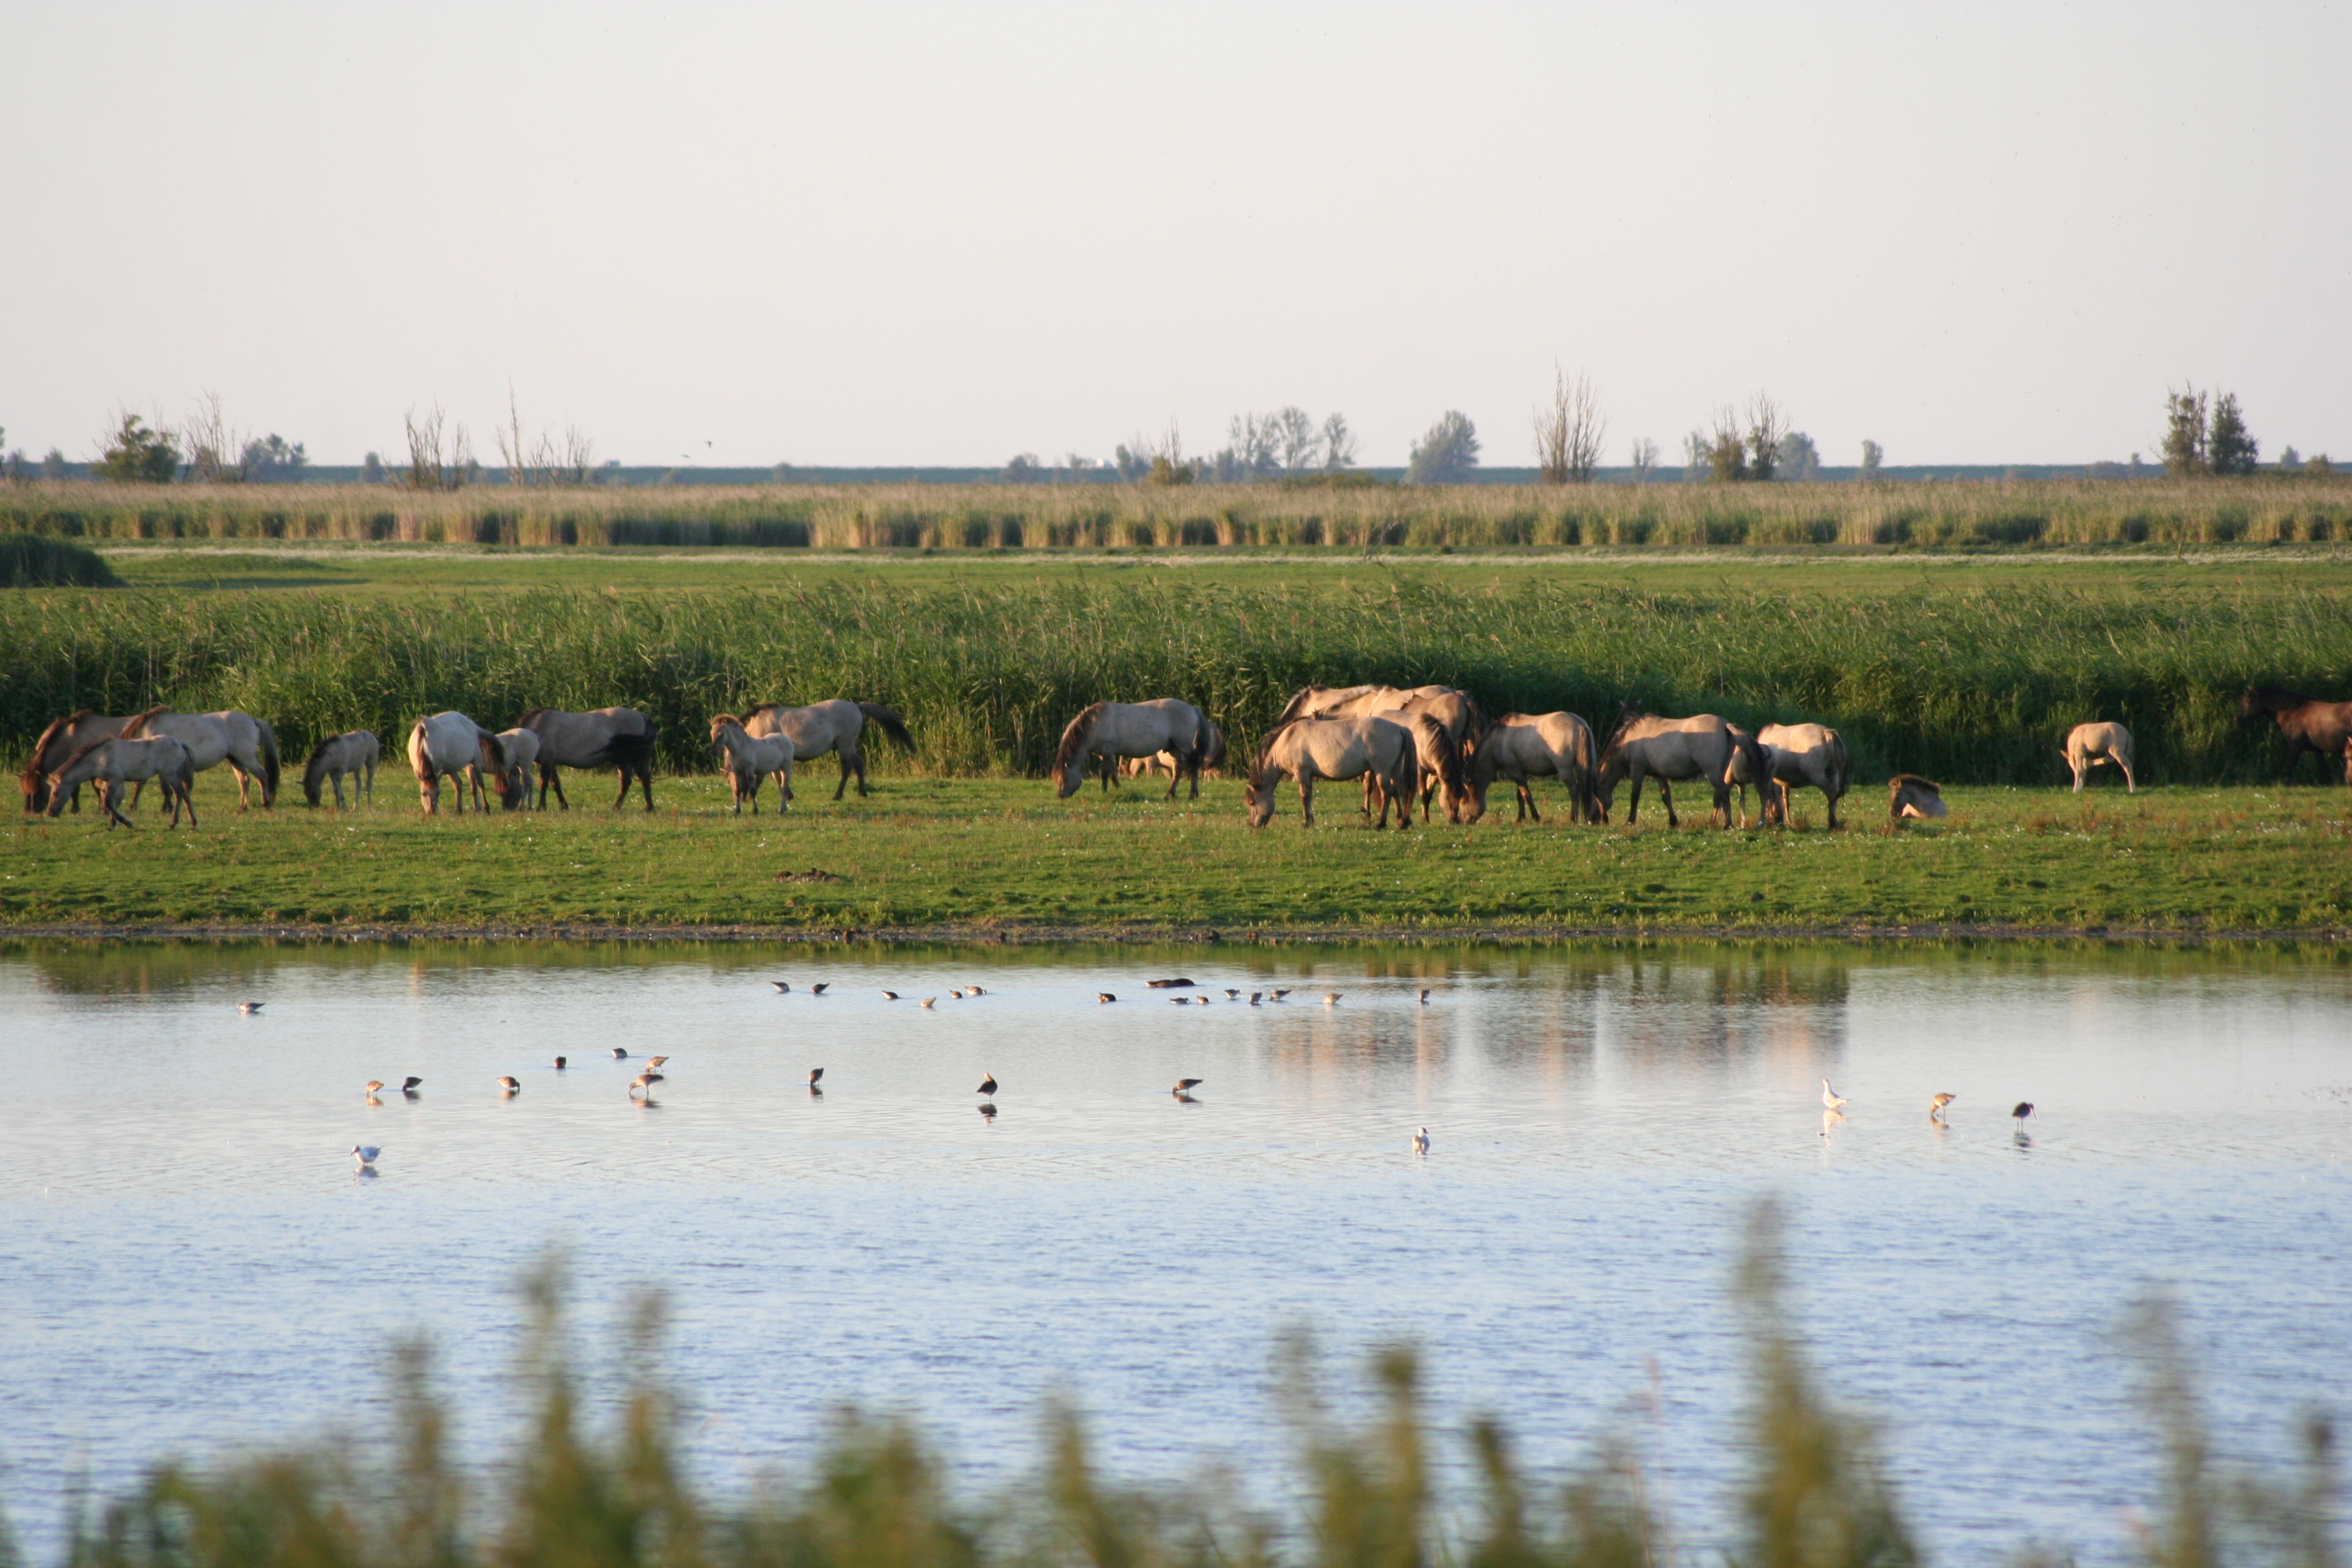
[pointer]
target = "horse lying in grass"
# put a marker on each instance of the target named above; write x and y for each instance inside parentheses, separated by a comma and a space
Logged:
(61, 740)
(247, 745)
(751, 758)
(1311, 749)
(354, 751)
(837, 725)
(448, 744)
(1109, 730)
(1807, 754)
(2090, 746)
(521, 747)
(111, 764)
(2308, 724)
(1668, 750)
(1524, 747)
(1908, 795)
(619, 738)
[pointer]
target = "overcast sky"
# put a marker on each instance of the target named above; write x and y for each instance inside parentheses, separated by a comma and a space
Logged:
(945, 234)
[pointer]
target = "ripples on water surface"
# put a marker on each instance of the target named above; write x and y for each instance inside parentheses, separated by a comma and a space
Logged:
(188, 1261)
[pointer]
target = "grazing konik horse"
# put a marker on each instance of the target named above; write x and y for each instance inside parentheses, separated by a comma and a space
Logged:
(1309, 749)
(1646, 746)
(837, 725)
(247, 745)
(751, 758)
(1439, 760)
(2308, 724)
(1109, 730)
(2094, 745)
(620, 738)
(111, 764)
(1751, 763)
(521, 747)
(446, 745)
(354, 751)
(1804, 754)
(1524, 747)
(61, 740)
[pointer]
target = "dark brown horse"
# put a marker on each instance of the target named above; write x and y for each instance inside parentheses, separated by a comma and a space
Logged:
(2308, 724)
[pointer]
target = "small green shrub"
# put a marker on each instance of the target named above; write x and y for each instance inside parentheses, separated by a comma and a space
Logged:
(35, 561)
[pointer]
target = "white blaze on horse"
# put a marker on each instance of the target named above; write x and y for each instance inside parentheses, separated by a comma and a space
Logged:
(1668, 750)
(354, 751)
(519, 747)
(61, 740)
(2092, 745)
(751, 758)
(110, 765)
(1109, 730)
(618, 738)
(1524, 747)
(445, 745)
(837, 725)
(247, 745)
(1807, 754)
(1311, 749)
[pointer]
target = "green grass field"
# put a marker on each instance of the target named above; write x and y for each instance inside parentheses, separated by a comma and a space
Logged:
(995, 857)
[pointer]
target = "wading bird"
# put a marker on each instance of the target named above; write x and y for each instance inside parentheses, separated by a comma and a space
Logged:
(562, 1062)
(956, 994)
(782, 986)
(973, 991)
(248, 1008)
(930, 1000)
(1421, 1141)
(1278, 995)
(411, 1085)
(1935, 1106)
(814, 1074)
(373, 1085)
(987, 1085)
(1424, 996)
(1232, 995)
(2023, 1108)
(363, 1154)
(655, 1061)
(818, 989)
(1187, 1085)
(511, 1085)
(619, 1054)
(889, 995)
(1330, 998)
(1255, 997)
(1105, 996)
(1831, 1098)
(644, 1082)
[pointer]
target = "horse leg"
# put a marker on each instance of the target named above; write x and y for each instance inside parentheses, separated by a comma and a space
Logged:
(1666, 793)
(1722, 811)
(1305, 798)
(855, 754)
(841, 755)
(2131, 785)
(548, 773)
(1527, 806)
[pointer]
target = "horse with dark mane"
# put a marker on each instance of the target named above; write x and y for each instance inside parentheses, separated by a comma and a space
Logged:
(1110, 731)
(619, 738)
(1646, 746)
(837, 725)
(60, 741)
(2308, 723)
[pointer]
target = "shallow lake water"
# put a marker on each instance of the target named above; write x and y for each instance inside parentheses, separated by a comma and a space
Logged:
(189, 1261)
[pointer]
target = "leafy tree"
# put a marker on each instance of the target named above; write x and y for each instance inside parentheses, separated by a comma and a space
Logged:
(372, 469)
(53, 464)
(17, 468)
(1766, 424)
(138, 454)
(1726, 449)
(1447, 454)
(2184, 433)
(2289, 459)
(2230, 446)
(1023, 469)
(1339, 444)
(1798, 458)
(273, 460)
(1872, 455)
(1133, 462)
(2318, 463)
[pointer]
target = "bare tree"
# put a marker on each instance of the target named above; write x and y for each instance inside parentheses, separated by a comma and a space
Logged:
(217, 451)
(1551, 424)
(1339, 444)
(1570, 431)
(439, 458)
(1727, 448)
(1768, 422)
(545, 459)
(1295, 440)
(1645, 456)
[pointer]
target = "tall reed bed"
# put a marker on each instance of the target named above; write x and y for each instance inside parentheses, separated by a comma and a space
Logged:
(1815, 1493)
(2268, 508)
(1971, 683)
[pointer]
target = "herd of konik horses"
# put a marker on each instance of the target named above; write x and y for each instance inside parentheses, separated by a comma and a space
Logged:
(1425, 743)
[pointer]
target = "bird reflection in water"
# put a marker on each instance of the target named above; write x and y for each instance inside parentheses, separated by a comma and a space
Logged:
(1831, 1119)
(988, 1112)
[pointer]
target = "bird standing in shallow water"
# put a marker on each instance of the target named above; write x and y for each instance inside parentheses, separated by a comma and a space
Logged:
(930, 1000)
(562, 1062)
(619, 1054)
(1424, 996)
(645, 1081)
(1278, 995)
(1232, 995)
(889, 995)
(814, 1074)
(248, 1008)
(411, 1085)
(373, 1085)
(1935, 1106)
(973, 991)
(655, 1061)
(364, 1154)
(2023, 1108)
(782, 986)
(510, 1086)
(987, 1084)
(1831, 1098)
(1187, 1085)
(1421, 1141)
(1105, 996)
(1330, 998)
(818, 989)
(1255, 997)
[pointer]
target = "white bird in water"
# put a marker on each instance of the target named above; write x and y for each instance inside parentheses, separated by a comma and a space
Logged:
(1330, 998)
(1421, 1141)
(364, 1154)
(510, 1086)
(248, 1008)
(889, 995)
(619, 1054)
(782, 986)
(1831, 1098)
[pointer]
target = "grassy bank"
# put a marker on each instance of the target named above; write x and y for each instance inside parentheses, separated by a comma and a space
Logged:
(1966, 673)
(1974, 515)
(1004, 858)
(1814, 1491)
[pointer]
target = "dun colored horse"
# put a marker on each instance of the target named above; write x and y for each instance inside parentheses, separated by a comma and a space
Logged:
(1646, 746)
(751, 758)
(61, 740)
(1751, 763)
(837, 725)
(1525, 747)
(1804, 754)
(247, 745)
(521, 747)
(1311, 749)
(111, 764)
(2308, 724)
(1440, 763)
(1908, 795)
(1110, 731)
(618, 738)
(2094, 745)
(447, 744)
(356, 752)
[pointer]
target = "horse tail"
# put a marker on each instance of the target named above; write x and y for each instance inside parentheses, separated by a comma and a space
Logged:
(419, 761)
(269, 765)
(632, 754)
(889, 722)
(1838, 770)
(1447, 751)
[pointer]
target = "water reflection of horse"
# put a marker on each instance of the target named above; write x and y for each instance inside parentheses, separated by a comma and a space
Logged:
(61, 740)
(1524, 747)
(1381, 750)
(1109, 730)
(2308, 724)
(1646, 746)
